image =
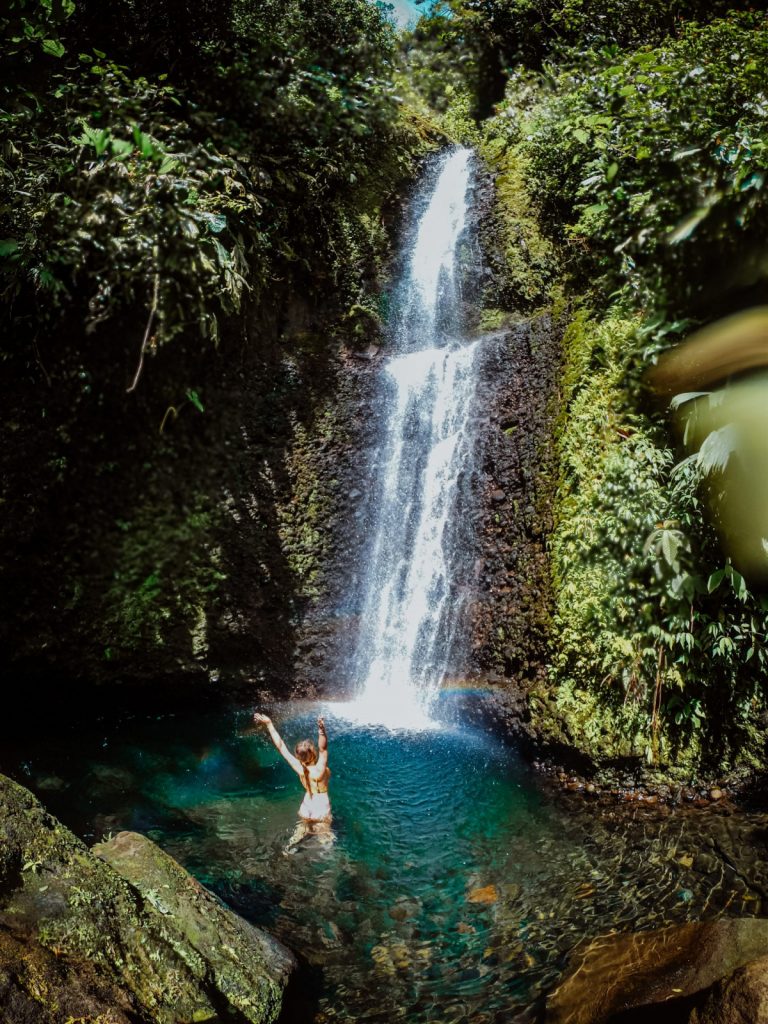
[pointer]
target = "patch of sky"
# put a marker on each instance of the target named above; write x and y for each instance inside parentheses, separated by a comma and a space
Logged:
(406, 13)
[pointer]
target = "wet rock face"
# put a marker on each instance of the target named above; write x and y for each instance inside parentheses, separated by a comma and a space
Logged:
(510, 601)
(503, 516)
(611, 976)
(76, 937)
(39, 986)
(176, 545)
(341, 466)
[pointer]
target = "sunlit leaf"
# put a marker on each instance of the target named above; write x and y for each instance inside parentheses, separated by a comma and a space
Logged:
(686, 396)
(688, 225)
(717, 448)
(167, 165)
(715, 580)
(224, 258)
(194, 398)
(53, 47)
(121, 147)
(216, 222)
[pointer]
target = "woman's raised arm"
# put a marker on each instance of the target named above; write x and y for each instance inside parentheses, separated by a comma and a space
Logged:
(322, 745)
(278, 741)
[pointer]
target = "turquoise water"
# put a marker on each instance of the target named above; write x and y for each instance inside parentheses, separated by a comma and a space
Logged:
(455, 884)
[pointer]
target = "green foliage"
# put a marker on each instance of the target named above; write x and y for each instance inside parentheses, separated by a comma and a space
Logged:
(643, 130)
(477, 44)
(457, 121)
(528, 32)
(636, 142)
(166, 166)
(31, 28)
(671, 653)
(518, 250)
(167, 577)
(654, 166)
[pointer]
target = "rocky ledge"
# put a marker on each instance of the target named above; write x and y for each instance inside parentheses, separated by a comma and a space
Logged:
(121, 934)
(713, 972)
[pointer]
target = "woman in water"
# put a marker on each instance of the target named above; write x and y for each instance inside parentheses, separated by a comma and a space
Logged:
(311, 765)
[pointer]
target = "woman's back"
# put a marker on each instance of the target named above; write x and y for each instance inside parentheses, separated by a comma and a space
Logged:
(315, 778)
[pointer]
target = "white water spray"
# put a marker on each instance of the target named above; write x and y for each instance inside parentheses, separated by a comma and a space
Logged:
(408, 611)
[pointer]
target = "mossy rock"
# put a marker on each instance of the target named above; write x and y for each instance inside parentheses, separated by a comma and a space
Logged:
(247, 966)
(79, 940)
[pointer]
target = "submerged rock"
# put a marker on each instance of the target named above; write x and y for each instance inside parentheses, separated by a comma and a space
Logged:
(614, 974)
(486, 894)
(51, 783)
(77, 938)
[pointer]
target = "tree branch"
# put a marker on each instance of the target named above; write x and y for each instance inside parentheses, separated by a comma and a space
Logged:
(147, 329)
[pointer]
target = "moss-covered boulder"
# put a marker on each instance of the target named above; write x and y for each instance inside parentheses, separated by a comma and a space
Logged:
(248, 966)
(79, 940)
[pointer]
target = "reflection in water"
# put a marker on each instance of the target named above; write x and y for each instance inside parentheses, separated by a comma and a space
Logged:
(455, 886)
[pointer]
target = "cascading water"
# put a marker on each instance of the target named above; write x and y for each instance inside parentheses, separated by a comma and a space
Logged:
(408, 611)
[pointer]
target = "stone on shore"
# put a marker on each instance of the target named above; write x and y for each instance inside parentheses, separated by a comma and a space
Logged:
(78, 940)
(615, 974)
(740, 999)
(248, 967)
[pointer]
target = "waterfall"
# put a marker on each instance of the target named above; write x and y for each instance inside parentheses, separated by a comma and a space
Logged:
(408, 610)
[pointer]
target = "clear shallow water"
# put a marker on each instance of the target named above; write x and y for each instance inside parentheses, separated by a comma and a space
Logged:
(455, 885)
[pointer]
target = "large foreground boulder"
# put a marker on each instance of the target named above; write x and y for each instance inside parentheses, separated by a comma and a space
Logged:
(145, 943)
(636, 976)
(740, 999)
(248, 966)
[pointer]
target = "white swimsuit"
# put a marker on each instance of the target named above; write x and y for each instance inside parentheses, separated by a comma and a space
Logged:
(316, 807)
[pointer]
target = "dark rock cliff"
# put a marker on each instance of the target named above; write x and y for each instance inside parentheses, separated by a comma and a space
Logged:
(181, 536)
(511, 603)
(211, 531)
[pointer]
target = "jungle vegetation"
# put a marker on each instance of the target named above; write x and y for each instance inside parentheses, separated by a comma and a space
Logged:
(640, 134)
(168, 169)
(185, 189)
(173, 160)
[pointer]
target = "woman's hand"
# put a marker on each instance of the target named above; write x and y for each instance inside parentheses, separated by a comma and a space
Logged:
(262, 719)
(321, 724)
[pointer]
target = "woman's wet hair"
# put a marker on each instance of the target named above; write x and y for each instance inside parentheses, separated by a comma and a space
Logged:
(306, 751)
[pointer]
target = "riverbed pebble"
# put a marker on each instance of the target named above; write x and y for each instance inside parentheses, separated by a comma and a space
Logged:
(485, 894)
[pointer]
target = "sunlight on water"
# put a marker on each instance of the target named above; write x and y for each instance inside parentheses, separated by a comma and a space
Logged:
(399, 711)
